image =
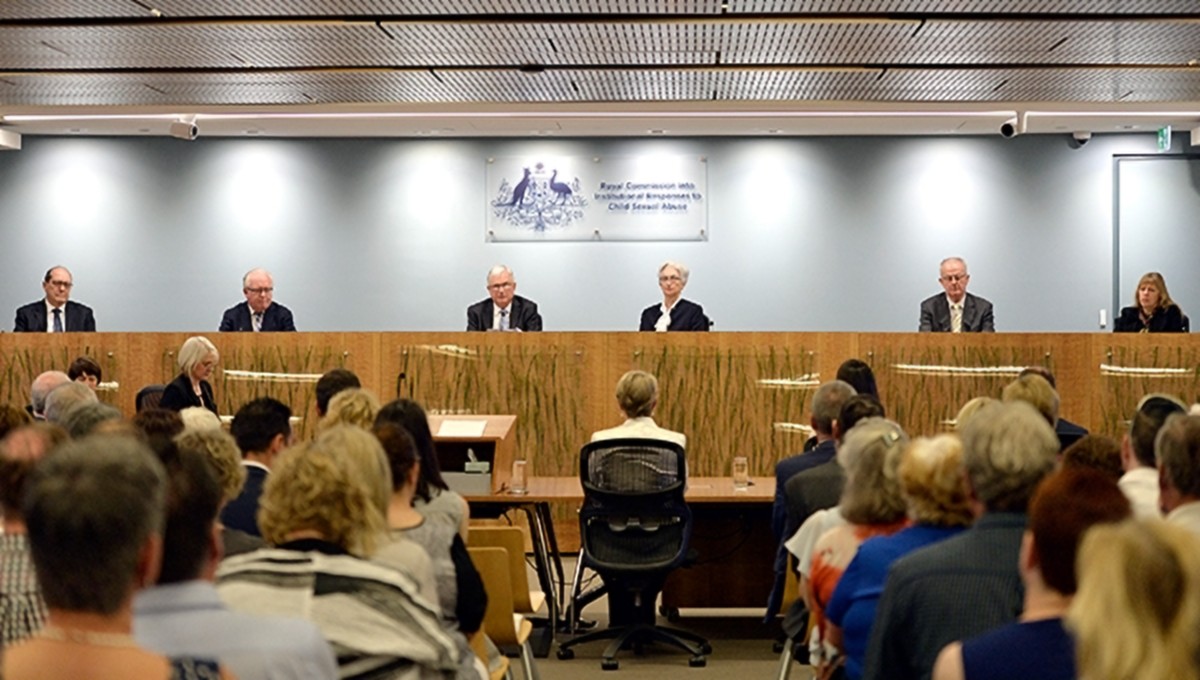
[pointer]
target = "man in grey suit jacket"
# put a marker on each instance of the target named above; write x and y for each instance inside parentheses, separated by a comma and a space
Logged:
(956, 311)
(504, 310)
(55, 313)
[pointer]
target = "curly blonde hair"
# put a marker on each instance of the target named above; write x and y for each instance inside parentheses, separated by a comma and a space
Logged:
(870, 454)
(221, 451)
(354, 406)
(365, 458)
(931, 480)
(311, 489)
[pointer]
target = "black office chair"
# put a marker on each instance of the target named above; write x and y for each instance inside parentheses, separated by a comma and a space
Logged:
(634, 529)
(148, 397)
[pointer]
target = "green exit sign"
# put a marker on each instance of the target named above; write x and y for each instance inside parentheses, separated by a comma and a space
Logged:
(1164, 139)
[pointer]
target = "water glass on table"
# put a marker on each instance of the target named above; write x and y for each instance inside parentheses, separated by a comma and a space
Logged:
(741, 473)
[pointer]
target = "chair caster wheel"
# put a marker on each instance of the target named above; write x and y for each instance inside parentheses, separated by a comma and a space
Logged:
(706, 649)
(609, 664)
(697, 662)
(565, 654)
(671, 614)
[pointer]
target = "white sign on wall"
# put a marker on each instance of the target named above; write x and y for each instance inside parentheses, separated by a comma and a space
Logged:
(613, 198)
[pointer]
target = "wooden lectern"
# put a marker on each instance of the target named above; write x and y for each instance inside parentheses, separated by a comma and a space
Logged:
(495, 445)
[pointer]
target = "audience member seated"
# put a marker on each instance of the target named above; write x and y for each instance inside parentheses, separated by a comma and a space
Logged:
(826, 405)
(331, 383)
(85, 370)
(41, 387)
(323, 524)
(263, 429)
(637, 397)
(161, 422)
(872, 506)
(1064, 507)
(971, 408)
(1138, 607)
(197, 359)
(1068, 432)
(431, 548)
(354, 406)
(1036, 391)
(930, 477)
(199, 418)
(94, 512)
(1177, 448)
(858, 374)
(182, 613)
(1140, 481)
(1153, 310)
(966, 584)
(66, 397)
(22, 611)
(1095, 451)
(86, 418)
(221, 451)
(433, 496)
(12, 418)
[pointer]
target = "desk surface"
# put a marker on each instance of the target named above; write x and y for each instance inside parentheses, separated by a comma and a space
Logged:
(700, 490)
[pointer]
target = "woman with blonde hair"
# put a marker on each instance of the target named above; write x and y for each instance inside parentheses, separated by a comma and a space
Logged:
(1137, 611)
(197, 359)
(355, 406)
(1153, 310)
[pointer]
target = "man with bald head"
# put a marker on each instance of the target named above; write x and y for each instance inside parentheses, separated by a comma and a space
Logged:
(260, 312)
(504, 310)
(55, 313)
(956, 310)
(41, 388)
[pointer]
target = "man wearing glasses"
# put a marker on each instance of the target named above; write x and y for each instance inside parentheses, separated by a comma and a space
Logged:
(504, 310)
(957, 311)
(56, 313)
(259, 313)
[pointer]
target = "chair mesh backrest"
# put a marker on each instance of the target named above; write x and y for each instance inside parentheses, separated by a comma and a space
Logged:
(633, 466)
(149, 397)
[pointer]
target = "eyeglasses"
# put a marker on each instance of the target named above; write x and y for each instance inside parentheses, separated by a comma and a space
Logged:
(260, 291)
(669, 277)
(501, 286)
(61, 284)
(955, 278)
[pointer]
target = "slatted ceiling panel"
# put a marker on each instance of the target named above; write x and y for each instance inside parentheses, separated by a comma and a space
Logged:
(503, 86)
(1030, 42)
(793, 85)
(1066, 85)
(468, 43)
(81, 9)
(1122, 7)
(1176, 42)
(185, 8)
(645, 85)
(627, 43)
(404, 87)
(809, 42)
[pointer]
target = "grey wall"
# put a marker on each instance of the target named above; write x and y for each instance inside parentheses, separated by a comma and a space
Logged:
(804, 234)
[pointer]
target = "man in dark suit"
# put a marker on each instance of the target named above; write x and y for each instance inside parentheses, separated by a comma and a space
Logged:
(504, 310)
(259, 313)
(957, 311)
(55, 313)
(263, 429)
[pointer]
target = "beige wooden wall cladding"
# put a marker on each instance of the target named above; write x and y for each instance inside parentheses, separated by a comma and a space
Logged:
(731, 393)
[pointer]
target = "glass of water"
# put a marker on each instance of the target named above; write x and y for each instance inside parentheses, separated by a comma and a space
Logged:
(741, 473)
(518, 482)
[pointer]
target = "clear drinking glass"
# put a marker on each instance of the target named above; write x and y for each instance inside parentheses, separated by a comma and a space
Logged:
(517, 483)
(741, 473)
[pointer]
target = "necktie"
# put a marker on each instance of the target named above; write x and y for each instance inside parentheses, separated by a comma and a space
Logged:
(257, 321)
(58, 327)
(503, 319)
(956, 318)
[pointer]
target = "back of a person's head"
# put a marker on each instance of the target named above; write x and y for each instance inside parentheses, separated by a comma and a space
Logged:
(408, 414)
(11, 418)
(198, 418)
(83, 419)
(1177, 448)
(858, 374)
(637, 393)
(931, 481)
(856, 409)
(827, 404)
(1008, 448)
(331, 383)
(66, 397)
(970, 409)
(1065, 505)
(258, 422)
(1152, 411)
(1137, 611)
(42, 386)
(221, 451)
(354, 406)
(1095, 451)
(363, 454)
(1034, 390)
(400, 449)
(193, 499)
(90, 508)
(310, 490)
(870, 455)
(159, 422)
(20, 451)
(1042, 371)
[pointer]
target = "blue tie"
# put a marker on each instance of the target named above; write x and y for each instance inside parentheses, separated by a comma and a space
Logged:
(503, 319)
(58, 327)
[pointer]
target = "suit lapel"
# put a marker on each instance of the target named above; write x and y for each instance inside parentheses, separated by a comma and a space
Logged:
(968, 313)
(941, 307)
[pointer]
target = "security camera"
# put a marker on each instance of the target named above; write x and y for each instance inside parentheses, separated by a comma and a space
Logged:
(1081, 137)
(184, 130)
(1008, 129)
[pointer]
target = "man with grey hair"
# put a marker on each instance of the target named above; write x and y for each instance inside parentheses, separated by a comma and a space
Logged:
(956, 310)
(260, 312)
(65, 397)
(504, 310)
(83, 419)
(42, 386)
(1177, 449)
(970, 583)
(826, 405)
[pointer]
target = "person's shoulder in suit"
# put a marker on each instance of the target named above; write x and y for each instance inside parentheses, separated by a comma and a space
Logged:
(282, 320)
(692, 317)
(27, 318)
(530, 319)
(175, 395)
(229, 320)
(649, 317)
(80, 317)
(475, 316)
(929, 312)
